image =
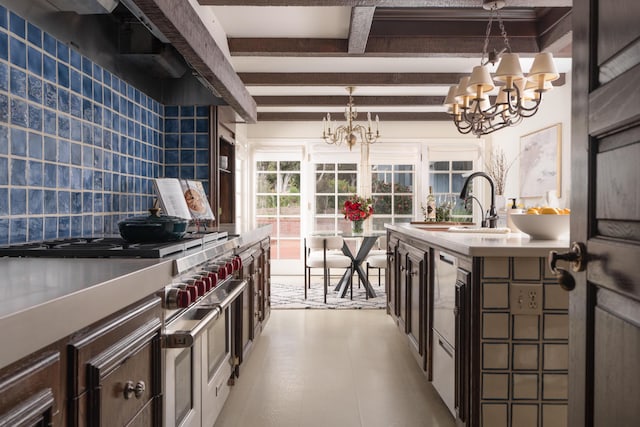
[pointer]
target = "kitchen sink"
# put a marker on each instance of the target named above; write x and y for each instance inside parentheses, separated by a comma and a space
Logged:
(464, 229)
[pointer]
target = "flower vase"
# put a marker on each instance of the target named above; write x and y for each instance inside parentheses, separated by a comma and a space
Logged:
(356, 226)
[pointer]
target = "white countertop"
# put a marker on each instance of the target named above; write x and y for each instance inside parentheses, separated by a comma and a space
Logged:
(483, 245)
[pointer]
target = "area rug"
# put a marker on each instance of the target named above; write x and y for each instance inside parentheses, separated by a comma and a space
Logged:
(289, 294)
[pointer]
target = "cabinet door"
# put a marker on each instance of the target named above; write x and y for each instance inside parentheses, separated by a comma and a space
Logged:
(392, 274)
(461, 311)
(265, 277)
(416, 292)
(402, 289)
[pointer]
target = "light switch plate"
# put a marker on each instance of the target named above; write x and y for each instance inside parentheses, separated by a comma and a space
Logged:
(525, 298)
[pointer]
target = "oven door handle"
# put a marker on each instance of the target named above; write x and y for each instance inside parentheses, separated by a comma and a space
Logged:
(185, 339)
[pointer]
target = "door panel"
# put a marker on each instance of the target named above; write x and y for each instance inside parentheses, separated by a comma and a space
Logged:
(605, 305)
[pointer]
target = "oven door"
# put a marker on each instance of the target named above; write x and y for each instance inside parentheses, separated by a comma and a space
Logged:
(182, 397)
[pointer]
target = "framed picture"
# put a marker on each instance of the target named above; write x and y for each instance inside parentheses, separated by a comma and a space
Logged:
(540, 162)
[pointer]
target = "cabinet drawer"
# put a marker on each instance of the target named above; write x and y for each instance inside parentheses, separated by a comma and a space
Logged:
(444, 370)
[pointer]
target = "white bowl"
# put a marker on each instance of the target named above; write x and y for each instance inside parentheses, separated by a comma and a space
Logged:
(542, 227)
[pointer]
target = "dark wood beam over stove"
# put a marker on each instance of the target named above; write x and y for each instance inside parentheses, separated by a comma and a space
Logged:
(385, 3)
(361, 19)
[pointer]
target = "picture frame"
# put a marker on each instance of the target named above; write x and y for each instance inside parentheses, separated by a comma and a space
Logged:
(541, 162)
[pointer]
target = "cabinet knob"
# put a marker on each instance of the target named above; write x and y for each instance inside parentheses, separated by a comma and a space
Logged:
(577, 257)
(136, 390)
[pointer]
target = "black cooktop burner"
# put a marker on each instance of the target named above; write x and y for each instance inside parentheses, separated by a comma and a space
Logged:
(106, 247)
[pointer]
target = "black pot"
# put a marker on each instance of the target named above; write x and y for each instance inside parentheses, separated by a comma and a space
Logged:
(153, 228)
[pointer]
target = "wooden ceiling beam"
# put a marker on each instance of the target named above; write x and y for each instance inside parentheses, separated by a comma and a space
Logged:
(556, 33)
(385, 3)
(359, 101)
(400, 28)
(384, 117)
(359, 29)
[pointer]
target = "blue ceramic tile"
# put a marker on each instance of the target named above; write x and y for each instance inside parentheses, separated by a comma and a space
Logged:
(34, 88)
(107, 97)
(187, 156)
(187, 111)
(63, 75)
(63, 100)
(63, 52)
(63, 127)
(50, 149)
(97, 72)
(35, 174)
(18, 82)
(18, 201)
(35, 145)
(34, 61)
(97, 202)
(172, 125)
(98, 224)
(97, 114)
(49, 44)
(87, 86)
(50, 175)
(4, 206)
(108, 202)
(19, 113)
(4, 22)
(64, 226)
(86, 66)
(50, 227)
(4, 46)
(87, 179)
(97, 136)
(76, 202)
(36, 229)
(50, 95)
(34, 35)
(18, 172)
(64, 202)
(17, 53)
(4, 108)
(115, 203)
(87, 156)
(17, 25)
(202, 157)
(187, 172)
(171, 171)
(75, 59)
(202, 125)
(87, 225)
(87, 201)
(50, 202)
(18, 230)
(187, 140)
(97, 92)
(106, 78)
(87, 110)
(76, 154)
(4, 76)
(4, 174)
(75, 106)
(49, 122)
(49, 68)
(35, 197)
(75, 127)
(35, 118)
(64, 151)
(87, 134)
(171, 140)
(63, 176)
(202, 172)
(202, 111)
(107, 182)
(75, 178)
(75, 81)
(18, 142)
(97, 158)
(4, 227)
(76, 226)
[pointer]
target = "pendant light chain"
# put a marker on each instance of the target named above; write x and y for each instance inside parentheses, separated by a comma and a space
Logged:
(487, 34)
(503, 32)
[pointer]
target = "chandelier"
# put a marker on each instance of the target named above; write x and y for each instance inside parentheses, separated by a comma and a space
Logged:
(350, 132)
(518, 96)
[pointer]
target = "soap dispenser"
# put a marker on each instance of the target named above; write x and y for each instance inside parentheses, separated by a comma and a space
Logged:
(513, 208)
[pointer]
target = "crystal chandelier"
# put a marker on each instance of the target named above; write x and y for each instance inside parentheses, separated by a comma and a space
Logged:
(350, 132)
(518, 96)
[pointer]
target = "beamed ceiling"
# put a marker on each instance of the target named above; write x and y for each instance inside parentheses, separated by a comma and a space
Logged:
(296, 58)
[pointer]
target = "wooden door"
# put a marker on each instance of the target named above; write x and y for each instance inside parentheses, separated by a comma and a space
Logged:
(604, 375)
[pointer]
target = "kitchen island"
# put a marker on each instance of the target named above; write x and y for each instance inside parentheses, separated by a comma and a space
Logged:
(73, 324)
(486, 321)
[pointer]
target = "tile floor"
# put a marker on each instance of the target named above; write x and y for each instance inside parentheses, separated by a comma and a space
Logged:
(345, 368)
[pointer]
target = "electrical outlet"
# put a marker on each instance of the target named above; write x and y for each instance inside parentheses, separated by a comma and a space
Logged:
(525, 299)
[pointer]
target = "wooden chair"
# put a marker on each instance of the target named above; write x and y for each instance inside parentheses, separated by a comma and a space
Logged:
(377, 258)
(324, 252)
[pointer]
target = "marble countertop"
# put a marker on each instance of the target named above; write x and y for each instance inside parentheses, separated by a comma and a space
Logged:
(483, 245)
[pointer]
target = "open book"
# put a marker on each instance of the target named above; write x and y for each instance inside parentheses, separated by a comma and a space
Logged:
(183, 198)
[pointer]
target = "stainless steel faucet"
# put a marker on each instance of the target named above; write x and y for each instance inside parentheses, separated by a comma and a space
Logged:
(492, 214)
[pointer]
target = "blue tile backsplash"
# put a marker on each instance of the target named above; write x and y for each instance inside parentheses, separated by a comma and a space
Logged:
(79, 146)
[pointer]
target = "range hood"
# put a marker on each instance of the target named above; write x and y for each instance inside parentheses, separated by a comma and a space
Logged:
(85, 7)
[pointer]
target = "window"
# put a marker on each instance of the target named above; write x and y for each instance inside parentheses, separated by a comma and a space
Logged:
(334, 183)
(392, 189)
(278, 203)
(446, 178)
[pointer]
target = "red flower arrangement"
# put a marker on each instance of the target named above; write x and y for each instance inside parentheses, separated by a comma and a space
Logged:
(357, 208)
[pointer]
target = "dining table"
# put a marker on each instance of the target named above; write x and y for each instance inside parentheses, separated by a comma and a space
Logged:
(368, 240)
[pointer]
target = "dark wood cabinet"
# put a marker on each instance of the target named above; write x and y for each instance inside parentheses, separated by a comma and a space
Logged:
(392, 273)
(222, 191)
(115, 369)
(462, 345)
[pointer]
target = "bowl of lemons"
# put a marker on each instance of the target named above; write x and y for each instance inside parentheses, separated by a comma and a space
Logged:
(543, 223)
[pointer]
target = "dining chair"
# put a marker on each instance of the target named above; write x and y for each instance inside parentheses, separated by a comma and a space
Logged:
(377, 258)
(324, 252)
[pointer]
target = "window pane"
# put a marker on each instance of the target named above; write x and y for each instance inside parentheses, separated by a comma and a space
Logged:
(382, 205)
(347, 166)
(267, 221)
(439, 182)
(289, 183)
(290, 227)
(341, 200)
(325, 183)
(289, 249)
(325, 167)
(325, 205)
(404, 182)
(403, 205)
(266, 205)
(290, 166)
(379, 222)
(289, 205)
(347, 182)
(404, 167)
(402, 220)
(267, 183)
(457, 182)
(438, 166)
(381, 168)
(381, 183)
(324, 224)
(266, 166)
(462, 166)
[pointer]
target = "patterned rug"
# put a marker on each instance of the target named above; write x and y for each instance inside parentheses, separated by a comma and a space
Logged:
(289, 294)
